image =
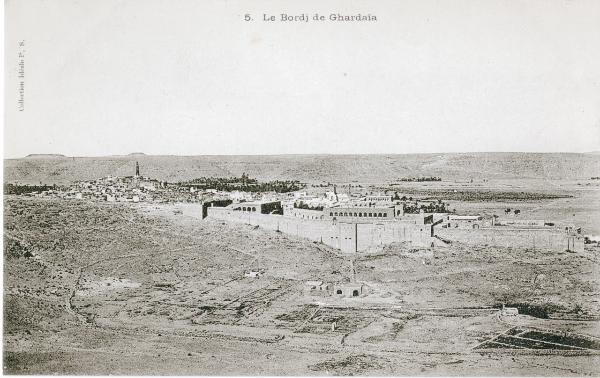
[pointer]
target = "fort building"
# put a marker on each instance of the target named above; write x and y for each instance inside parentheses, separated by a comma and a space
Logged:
(361, 226)
(260, 207)
(350, 234)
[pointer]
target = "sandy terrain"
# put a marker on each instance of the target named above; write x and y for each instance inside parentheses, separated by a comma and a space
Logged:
(143, 289)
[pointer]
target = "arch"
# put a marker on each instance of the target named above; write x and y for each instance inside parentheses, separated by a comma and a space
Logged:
(244, 208)
(385, 215)
(339, 291)
(355, 293)
(254, 209)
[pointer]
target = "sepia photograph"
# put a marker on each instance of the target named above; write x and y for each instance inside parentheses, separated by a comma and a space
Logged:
(301, 188)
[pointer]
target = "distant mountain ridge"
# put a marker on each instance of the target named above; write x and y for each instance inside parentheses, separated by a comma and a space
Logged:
(45, 156)
(59, 169)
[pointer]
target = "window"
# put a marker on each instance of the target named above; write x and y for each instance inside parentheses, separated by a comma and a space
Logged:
(336, 213)
(355, 293)
(243, 209)
(355, 215)
(330, 214)
(254, 209)
(385, 215)
(360, 214)
(338, 291)
(370, 214)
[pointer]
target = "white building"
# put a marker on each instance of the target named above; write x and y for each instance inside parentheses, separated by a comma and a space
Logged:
(238, 196)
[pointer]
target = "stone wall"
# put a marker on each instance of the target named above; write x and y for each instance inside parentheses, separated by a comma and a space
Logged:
(353, 237)
(303, 213)
(346, 236)
(543, 238)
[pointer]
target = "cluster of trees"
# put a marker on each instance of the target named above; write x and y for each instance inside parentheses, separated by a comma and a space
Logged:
(433, 207)
(244, 183)
(22, 189)
(414, 208)
(420, 179)
(243, 180)
(516, 211)
(396, 197)
(302, 205)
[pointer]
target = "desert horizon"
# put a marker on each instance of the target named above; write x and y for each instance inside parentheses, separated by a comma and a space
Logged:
(308, 167)
(140, 153)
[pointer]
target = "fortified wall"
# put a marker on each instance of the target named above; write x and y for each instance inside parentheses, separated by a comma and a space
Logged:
(352, 235)
(554, 239)
(349, 237)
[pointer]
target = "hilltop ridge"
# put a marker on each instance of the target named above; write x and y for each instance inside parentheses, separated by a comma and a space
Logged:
(308, 168)
(45, 156)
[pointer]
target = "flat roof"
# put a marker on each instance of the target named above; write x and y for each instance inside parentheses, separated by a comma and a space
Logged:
(464, 217)
(254, 203)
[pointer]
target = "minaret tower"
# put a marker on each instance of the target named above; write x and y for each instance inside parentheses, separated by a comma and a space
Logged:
(137, 169)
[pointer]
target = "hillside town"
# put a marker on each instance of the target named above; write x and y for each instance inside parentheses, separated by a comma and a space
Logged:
(139, 188)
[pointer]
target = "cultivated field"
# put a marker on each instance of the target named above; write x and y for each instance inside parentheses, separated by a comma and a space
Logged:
(97, 288)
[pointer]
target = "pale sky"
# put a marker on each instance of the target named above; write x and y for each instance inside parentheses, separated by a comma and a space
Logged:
(189, 77)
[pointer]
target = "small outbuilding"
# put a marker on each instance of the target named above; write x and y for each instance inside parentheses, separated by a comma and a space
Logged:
(253, 274)
(348, 290)
(510, 311)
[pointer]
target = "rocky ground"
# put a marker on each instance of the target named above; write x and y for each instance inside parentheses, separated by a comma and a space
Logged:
(96, 288)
